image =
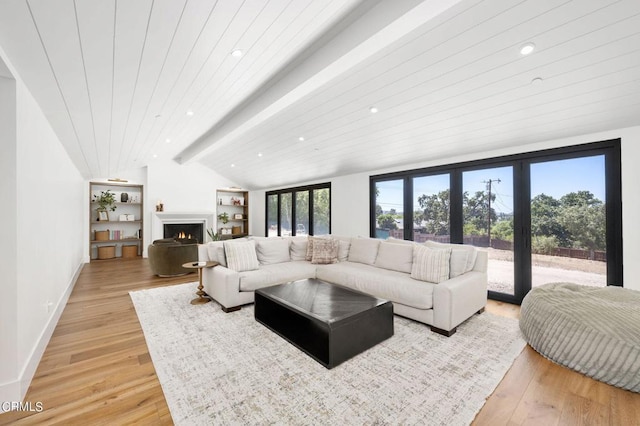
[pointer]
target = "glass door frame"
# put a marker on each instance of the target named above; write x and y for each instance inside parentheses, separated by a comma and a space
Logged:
(522, 204)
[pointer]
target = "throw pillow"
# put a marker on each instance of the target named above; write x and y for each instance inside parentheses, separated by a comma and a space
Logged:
(343, 250)
(458, 262)
(241, 256)
(395, 256)
(325, 251)
(215, 251)
(310, 241)
(430, 265)
(298, 248)
(472, 252)
(309, 253)
(364, 250)
(272, 250)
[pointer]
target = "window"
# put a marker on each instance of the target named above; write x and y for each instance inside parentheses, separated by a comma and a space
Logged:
(551, 215)
(303, 210)
(389, 209)
(431, 201)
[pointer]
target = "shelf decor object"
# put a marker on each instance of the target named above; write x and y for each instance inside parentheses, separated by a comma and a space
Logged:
(106, 201)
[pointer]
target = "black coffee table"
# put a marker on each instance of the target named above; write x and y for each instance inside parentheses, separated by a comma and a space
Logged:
(328, 322)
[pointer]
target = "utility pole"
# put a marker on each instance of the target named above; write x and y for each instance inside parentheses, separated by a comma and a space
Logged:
(489, 183)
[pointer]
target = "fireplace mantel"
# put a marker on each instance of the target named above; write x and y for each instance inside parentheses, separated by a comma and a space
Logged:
(160, 218)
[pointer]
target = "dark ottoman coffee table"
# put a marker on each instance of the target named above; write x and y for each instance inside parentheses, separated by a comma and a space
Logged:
(328, 322)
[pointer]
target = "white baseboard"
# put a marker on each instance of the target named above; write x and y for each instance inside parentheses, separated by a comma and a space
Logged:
(17, 390)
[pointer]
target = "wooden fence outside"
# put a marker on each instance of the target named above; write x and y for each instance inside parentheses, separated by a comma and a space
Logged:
(483, 241)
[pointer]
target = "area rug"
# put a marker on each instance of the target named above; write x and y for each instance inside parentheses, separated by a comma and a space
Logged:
(218, 368)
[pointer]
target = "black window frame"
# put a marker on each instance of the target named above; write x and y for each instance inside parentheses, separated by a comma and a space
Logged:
(521, 163)
(293, 191)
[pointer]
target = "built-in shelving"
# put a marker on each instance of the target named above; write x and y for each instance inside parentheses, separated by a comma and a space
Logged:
(233, 201)
(124, 225)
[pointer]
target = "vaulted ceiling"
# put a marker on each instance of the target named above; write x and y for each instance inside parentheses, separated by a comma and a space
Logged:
(125, 83)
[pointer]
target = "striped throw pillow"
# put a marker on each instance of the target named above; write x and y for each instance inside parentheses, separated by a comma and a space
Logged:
(241, 256)
(430, 265)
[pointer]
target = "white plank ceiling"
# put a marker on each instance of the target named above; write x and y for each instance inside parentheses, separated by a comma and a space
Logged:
(119, 79)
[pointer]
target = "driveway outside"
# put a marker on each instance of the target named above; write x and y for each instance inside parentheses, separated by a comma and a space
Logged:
(545, 269)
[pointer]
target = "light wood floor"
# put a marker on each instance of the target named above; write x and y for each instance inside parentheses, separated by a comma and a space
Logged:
(97, 369)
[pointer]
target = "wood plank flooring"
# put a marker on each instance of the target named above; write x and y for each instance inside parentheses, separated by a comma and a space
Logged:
(97, 369)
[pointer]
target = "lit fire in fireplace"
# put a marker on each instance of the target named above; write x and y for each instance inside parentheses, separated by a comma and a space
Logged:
(183, 235)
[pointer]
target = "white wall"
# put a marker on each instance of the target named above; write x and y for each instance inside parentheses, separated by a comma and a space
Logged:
(350, 193)
(48, 225)
(9, 384)
(631, 207)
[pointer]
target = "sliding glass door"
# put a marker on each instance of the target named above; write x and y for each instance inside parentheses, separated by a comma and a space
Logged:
(304, 210)
(389, 207)
(568, 221)
(431, 208)
(487, 206)
(545, 216)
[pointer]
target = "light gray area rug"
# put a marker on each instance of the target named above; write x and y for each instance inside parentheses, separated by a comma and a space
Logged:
(218, 368)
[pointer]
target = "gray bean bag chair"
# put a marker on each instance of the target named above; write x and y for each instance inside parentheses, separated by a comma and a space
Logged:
(593, 330)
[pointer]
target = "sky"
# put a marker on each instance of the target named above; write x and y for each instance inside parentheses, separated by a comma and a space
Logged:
(554, 178)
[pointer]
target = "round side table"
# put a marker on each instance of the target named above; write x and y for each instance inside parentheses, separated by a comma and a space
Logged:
(199, 265)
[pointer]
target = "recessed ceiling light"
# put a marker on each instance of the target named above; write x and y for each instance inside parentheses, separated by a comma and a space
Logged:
(155, 155)
(236, 53)
(301, 139)
(259, 154)
(527, 48)
(189, 113)
(167, 140)
(233, 165)
(537, 80)
(373, 110)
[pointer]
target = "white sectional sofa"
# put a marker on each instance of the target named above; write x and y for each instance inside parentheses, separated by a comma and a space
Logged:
(437, 284)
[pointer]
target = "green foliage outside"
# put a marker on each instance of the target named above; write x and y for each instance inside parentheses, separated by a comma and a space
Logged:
(576, 220)
(321, 211)
(503, 229)
(434, 212)
(387, 221)
(475, 210)
(544, 244)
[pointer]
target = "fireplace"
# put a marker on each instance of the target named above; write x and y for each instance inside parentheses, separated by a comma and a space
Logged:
(179, 219)
(184, 231)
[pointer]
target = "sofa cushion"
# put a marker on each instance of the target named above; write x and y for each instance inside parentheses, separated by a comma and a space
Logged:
(431, 265)
(382, 283)
(269, 275)
(394, 256)
(471, 251)
(458, 262)
(215, 251)
(241, 255)
(272, 250)
(298, 248)
(325, 251)
(363, 250)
